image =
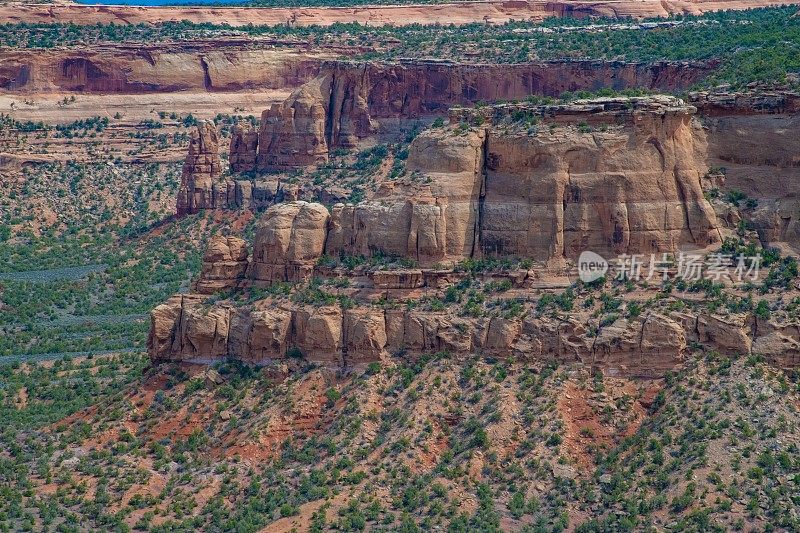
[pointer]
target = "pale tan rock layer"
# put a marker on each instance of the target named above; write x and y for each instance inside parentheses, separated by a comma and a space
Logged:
(183, 329)
(497, 11)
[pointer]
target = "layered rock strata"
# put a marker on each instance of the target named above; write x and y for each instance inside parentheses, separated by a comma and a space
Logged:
(201, 187)
(349, 101)
(230, 64)
(224, 265)
(624, 179)
(492, 11)
(184, 329)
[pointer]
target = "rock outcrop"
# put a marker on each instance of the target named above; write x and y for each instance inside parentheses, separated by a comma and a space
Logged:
(429, 224)
(626, 180)
(200, 186)
(224, 265)
(229, 64)
(185, 329)
(294, 133)
(616, 176)
(753, 141)
(350, 101)
(496, 12)
(289, 241)
(244, 142)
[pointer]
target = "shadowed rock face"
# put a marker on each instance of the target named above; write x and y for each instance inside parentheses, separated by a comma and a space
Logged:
(348, 101)
(244, 141)
(200, 185)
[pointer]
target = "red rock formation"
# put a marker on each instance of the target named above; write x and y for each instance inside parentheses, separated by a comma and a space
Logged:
(289, 241)
(224, 265)
(752, 141)
(211, 65)
(348, 101)
(611, 175)
(293, 133)
(185, 329)
(244, 140)
(200, 186)
(430, 223)
(627, 181)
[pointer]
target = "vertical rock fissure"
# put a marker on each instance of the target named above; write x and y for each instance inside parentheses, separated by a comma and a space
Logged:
(206, 76)
(345, 340)
(329, 113)
(683, 206)
(477, 232)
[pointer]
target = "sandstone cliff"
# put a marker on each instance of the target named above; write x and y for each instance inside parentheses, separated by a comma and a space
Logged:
(350, 101)
(753, 142)
(294, 133)
(611, 175)
(614, 175)
(491, 11)
(626, 179)
(212, 65)
(184, 329)
(200, 186)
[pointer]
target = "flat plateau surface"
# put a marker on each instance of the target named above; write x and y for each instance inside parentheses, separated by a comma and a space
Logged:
(452, 13)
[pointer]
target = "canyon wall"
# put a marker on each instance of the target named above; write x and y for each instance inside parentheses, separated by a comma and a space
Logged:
(349, 101)
(615, 176)
(228, 65)
(240, 64)
(753, 140)
(186, 329)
